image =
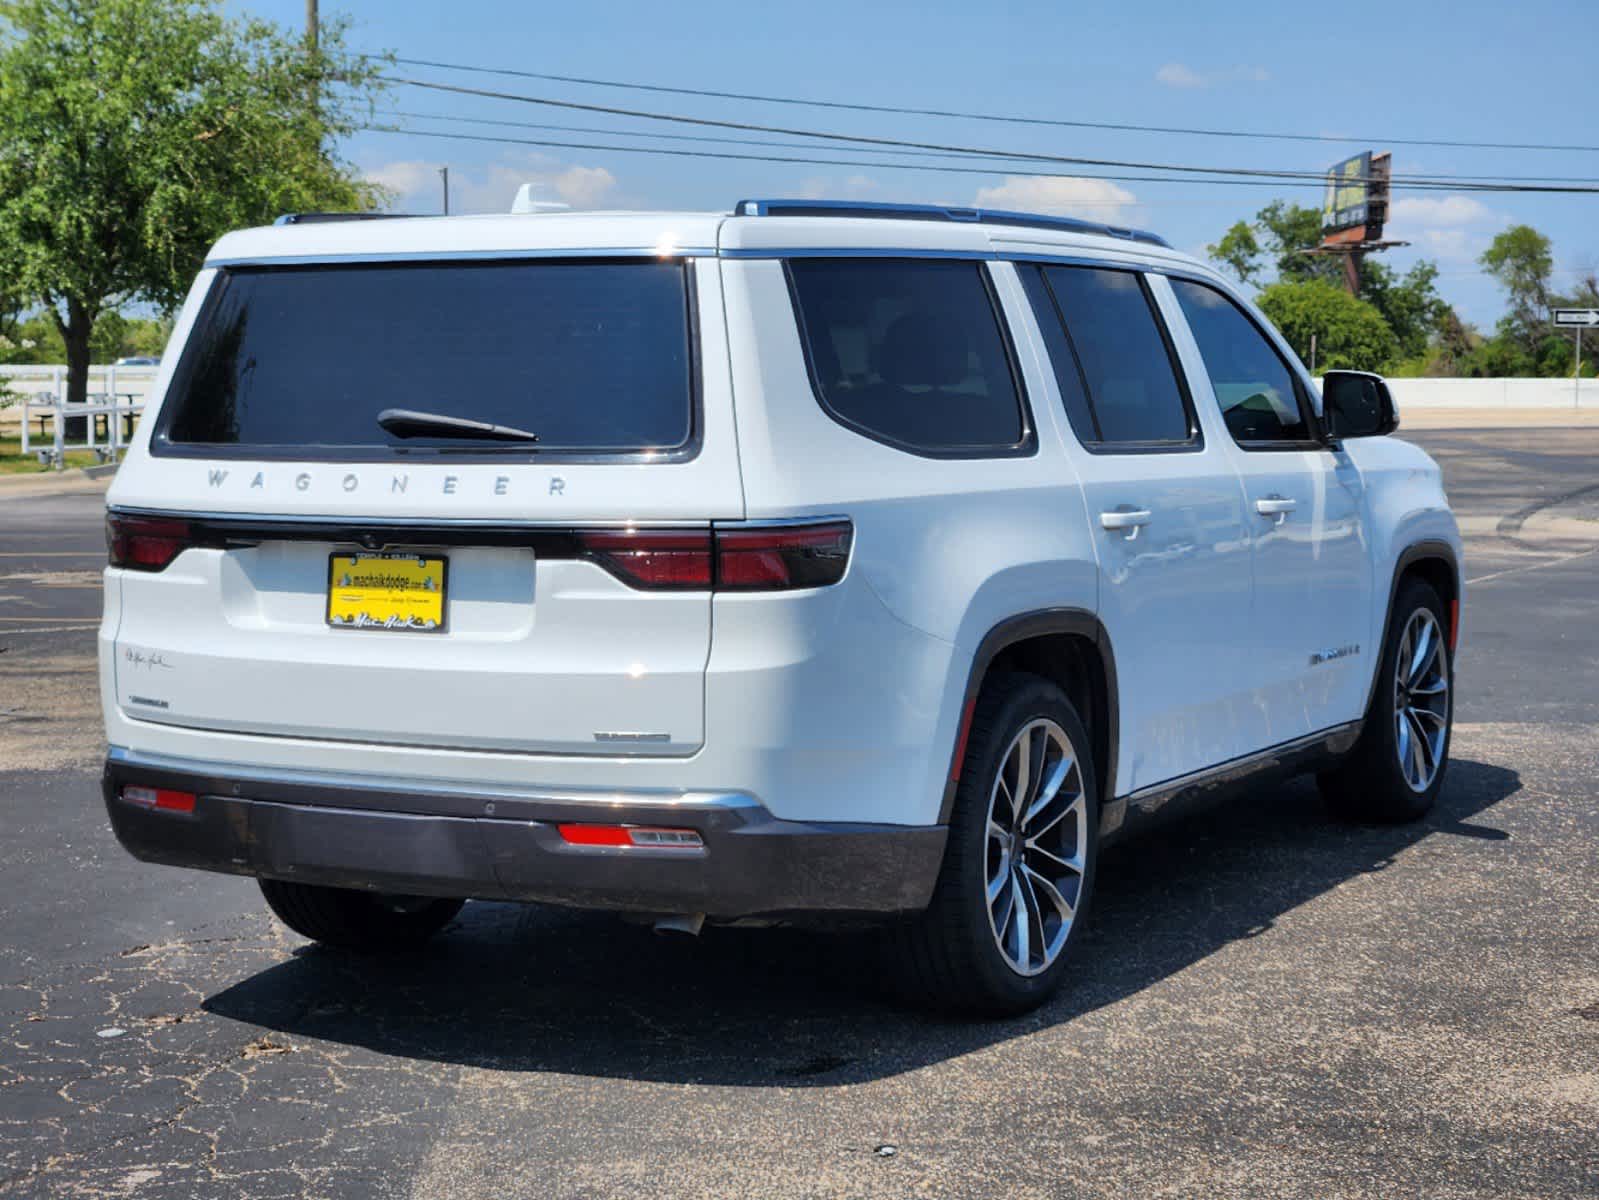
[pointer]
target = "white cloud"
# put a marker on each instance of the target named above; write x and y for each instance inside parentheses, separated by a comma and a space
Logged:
(1181, 75)
(416, 186)
(854, 187)
(1065, 195)
(1450, 212)
(1451, 228)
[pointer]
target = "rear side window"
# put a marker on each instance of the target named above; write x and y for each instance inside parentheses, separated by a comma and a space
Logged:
(299, 361)
(1259, 398)
(1112, 359)
(911, 352)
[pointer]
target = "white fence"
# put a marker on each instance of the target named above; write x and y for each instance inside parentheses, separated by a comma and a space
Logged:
(1495, 393)
(49, 426)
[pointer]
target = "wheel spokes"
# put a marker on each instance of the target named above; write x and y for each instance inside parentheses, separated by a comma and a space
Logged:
(1425, 651)
(1048, 790)
(1036, 838)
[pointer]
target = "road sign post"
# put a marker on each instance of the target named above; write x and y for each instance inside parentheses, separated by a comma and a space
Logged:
(1576, 320)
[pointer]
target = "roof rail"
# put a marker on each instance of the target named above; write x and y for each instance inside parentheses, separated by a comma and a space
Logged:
(324, 218)
(934, 212)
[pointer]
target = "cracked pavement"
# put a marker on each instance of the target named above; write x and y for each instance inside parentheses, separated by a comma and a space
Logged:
(1266, 1003)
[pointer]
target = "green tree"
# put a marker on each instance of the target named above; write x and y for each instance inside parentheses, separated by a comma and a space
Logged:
(1240, 252)
(1276, 238)
(1350, 333)
(1410, 304)
(133, 133)
(1521, 260)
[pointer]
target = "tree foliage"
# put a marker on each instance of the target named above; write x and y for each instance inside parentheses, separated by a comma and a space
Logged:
(1350, 333)
(1411, 305)
(133, 133)
(1521, 260)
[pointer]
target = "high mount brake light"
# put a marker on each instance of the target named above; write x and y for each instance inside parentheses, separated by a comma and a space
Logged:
(145, 543)
(756, 559)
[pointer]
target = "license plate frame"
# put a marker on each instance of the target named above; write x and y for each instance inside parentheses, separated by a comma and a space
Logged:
(399, 609)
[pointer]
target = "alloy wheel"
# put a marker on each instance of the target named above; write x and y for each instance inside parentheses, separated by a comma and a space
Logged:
(1036, 843)
(1421, 700)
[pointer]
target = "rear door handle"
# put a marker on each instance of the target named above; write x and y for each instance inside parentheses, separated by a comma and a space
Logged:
(1276, 506)
(1127, 520)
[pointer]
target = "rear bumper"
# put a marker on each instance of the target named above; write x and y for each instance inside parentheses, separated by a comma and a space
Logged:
(503, 844)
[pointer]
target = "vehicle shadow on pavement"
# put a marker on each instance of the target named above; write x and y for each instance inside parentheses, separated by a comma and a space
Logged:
(517, 988)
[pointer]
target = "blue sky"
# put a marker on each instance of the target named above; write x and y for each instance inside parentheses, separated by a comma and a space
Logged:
(1466, 70)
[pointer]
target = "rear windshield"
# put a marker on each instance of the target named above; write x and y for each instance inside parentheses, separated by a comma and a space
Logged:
(295, 361)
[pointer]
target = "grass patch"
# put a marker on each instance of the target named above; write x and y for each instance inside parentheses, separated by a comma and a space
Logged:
(13, 463)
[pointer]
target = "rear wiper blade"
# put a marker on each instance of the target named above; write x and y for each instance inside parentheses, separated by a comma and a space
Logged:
(407, 423)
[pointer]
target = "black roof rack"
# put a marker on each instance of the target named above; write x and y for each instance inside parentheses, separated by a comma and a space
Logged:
(324, 218)
(934, 212)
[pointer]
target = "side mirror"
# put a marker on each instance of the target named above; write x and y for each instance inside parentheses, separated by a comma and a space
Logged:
(1357, 404)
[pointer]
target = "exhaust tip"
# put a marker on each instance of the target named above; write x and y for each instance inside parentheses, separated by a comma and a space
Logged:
(683, 923)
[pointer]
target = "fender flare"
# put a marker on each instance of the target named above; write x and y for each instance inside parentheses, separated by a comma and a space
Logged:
(1415, 552)
(1078, 622)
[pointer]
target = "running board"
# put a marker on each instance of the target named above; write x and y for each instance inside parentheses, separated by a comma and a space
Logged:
(1164, 800)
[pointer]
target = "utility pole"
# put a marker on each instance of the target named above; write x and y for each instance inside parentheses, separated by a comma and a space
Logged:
(312, 33)
(444, 175)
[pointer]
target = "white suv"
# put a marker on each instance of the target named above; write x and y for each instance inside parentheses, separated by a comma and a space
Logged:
(816, 560)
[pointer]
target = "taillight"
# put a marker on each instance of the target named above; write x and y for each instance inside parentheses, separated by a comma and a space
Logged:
(782, 557)
(145, 543)
(753, 559)
(653, 558)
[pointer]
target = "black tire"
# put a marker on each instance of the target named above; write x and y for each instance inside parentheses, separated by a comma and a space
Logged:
(949, 957)
(1370, 785)
(355, 920)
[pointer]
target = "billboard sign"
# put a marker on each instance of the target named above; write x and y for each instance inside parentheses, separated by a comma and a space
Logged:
(1348, 194)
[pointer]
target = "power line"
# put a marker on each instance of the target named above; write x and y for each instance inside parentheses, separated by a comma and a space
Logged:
(891, 166)
(680, 137)
(897, 143)
(995, 117)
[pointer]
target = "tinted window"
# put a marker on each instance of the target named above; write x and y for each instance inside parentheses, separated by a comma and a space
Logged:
(910, 352)
(590, 356)
(1122, 352)
(1254, 387)
(1068, 376)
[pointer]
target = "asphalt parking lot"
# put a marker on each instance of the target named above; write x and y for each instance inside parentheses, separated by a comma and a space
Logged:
(1267, 1003)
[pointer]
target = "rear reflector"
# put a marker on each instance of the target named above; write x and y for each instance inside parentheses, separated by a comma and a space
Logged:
(145, 543)
(630, 835)
(159, 798)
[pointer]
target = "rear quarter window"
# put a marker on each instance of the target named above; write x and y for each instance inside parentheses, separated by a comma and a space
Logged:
(297, 362)
(911, 353)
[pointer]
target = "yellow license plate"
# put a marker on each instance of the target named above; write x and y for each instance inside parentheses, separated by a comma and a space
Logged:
(402, 592)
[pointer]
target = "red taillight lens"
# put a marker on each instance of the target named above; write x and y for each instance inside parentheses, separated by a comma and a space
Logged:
(782, 557)
(144, 543)
(164, 799)
(664, 559)
(754, 559)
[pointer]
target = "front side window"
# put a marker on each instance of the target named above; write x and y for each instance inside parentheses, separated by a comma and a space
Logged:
(1126, 384)
(301, 361)
(911, 352)
(1259, 397)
